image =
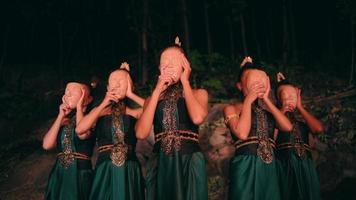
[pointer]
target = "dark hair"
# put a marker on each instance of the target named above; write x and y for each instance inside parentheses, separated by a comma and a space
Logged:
(174, 46)
(248, 66)
(282, 83)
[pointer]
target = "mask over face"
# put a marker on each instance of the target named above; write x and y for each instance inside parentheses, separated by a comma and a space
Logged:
(252, 77)
(118, 83)
(171, 64)
(288, 97)
(73, 94)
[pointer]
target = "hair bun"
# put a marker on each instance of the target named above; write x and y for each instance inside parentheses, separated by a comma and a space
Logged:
(280, 77)
(125, 66)
(177, 41)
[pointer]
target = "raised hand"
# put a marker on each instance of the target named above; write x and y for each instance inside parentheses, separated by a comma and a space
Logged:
(80, 104)
(254, 92)
(186, 69)
(163, 82)
(109, 97)
(299, 98)
(129, 90)
(268, 89)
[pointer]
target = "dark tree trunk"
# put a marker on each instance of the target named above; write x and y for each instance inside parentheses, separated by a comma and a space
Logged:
(352, 66)
(90, 47)
(61, 53)
(144, 42)
(207, 28)
(293, 33)
(243, 34)
(186, 41)
(4, 50)
(330, 42)
(269, 37)
(254, 33)
(285, 48)
(70, 45)
(231, 38)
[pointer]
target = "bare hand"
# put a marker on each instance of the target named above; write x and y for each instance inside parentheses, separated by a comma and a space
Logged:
(186, 69)
(268, 89)
(109, 97)
(129, 90)
(80, 104)
(299, 98)
(163, 82)
(64, 110)
(254, 92)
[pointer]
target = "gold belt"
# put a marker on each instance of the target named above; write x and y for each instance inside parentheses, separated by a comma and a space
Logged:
(118, 152)
(105, 148)
(186, 135)
(74, 155)
(252, 140)
(289, 145)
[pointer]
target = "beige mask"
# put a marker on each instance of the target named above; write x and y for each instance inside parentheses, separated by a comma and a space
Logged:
(171, 64)
(118, 83)
(253, 77)
(288, 97)
(73, 94)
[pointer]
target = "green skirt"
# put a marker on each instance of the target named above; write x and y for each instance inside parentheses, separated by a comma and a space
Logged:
(69, 184)
(118, 183)
(251, 178)
(177, 177)
(298, 178)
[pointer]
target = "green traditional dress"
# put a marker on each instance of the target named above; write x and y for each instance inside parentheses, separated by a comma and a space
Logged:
(118, 173)
(71, 176)
(253, 170)
(177, 169)
(298, 176)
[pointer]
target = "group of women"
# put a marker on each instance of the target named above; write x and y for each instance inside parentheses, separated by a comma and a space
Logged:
(272, 158)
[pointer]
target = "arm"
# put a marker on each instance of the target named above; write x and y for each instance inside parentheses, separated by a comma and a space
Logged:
(136, 113)
(89, 120)
(313, 123)
(197, 100)
(144, 123)
(139, 100)
(241, 124)
(282, 121)
(50, 139)
(131, 95)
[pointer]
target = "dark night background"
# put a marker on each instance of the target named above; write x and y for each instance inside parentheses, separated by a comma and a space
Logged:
(46, 43)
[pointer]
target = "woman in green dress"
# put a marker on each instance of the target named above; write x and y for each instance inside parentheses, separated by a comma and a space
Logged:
(177, 169)
(253, 172)
(118, 173)
(298, 176)
(71, 176)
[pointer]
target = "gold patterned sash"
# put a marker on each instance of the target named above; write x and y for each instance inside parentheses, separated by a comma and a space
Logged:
(252, 140)
(67, 158)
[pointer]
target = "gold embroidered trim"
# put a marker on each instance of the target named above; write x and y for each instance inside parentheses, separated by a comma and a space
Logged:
(74, 155)
(186, 135)
(171, 140)
(264, 149)
(67, 158)
(296, 135)
(119, 149)
(289, 145)
(252, 140)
